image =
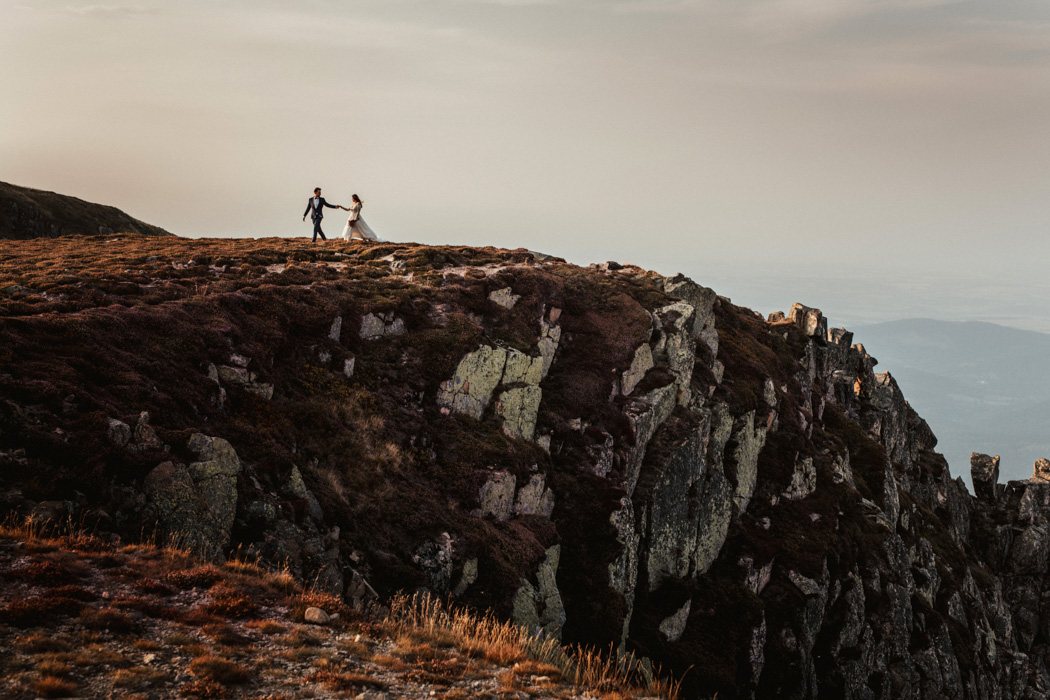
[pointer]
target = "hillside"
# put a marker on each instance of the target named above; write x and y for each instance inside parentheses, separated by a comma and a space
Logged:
(604, 455)
(983, 385)
(27, 213)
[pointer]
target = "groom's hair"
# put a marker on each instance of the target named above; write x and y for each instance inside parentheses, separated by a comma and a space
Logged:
(316, 190)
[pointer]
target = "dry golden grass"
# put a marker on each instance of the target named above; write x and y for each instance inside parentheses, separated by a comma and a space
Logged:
(51, 687)
(422, 642)
(267, 626)
(52, 667)
(506, 644)
(220, 670)
(38, 643)
(139, 677)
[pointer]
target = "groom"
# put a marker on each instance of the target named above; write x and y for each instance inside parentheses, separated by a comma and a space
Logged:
(315, 208)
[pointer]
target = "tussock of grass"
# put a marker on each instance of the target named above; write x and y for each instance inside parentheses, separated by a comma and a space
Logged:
(506, 644)
(220, 670)
(51, 687)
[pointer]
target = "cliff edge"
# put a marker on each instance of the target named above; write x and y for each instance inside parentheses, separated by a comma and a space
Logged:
(605, 455)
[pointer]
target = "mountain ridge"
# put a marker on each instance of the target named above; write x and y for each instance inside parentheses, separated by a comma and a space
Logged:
(602, 454)
(29, 213)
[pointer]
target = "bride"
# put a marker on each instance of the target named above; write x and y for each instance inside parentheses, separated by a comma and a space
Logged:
(355, 225)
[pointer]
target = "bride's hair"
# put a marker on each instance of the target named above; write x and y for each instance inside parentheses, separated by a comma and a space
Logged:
(357, 199)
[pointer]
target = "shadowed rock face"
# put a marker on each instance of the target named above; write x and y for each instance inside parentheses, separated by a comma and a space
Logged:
(603, 453)
(26, 213)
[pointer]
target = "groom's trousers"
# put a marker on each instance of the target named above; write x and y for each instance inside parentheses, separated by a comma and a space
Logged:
(317, 230)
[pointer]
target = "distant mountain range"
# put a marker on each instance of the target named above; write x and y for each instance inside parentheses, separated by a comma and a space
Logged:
(27, 213)
(982, 387)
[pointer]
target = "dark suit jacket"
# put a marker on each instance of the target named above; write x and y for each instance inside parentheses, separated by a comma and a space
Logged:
(318, 213)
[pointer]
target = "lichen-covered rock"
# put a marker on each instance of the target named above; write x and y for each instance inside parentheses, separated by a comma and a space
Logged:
(673, 626)
(470, 390)
(215, 477)
(701, 299)
(534, 498)
(118, 432)
(749, 440)
(676, 346)
(434, 558)
(375, 326)
(467, 576)
(496, 497)
(803, 481)
(195, 505)
(646, 414)
(642, 363)
(522, 369)
(296, 488)
(623, 571)
(550, 337)
(518, 408)
(504, 297)
(372, 327)
(539, 607)
(241, 376)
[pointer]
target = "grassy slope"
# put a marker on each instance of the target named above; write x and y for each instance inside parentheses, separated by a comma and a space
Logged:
(28, 213)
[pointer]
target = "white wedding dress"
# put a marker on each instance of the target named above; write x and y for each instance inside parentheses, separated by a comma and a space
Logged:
(356, 226)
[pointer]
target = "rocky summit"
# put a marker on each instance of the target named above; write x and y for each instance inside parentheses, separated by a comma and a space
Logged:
(603, 455)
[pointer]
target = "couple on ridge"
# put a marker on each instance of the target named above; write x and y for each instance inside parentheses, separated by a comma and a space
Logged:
(355, 225)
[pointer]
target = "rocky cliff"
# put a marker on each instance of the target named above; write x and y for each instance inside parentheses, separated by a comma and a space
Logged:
(28, 213)
(604, 454)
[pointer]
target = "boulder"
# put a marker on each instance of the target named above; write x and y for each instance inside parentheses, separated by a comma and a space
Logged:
(118, 432)
(811, 321)
(372, 327)
(375, 326)
(316, 616)
(984, 472)
(144, 436)
(1041, 469)
(434, 558)
(336, 331)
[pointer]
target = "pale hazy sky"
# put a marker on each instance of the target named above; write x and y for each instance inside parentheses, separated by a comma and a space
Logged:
(830, 134)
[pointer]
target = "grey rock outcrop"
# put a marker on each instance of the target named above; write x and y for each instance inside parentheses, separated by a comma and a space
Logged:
(496, 497)
(195, 504)
(504, 297)
(984, 472)
(374, 326)
(480, 372)
(538, 606)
